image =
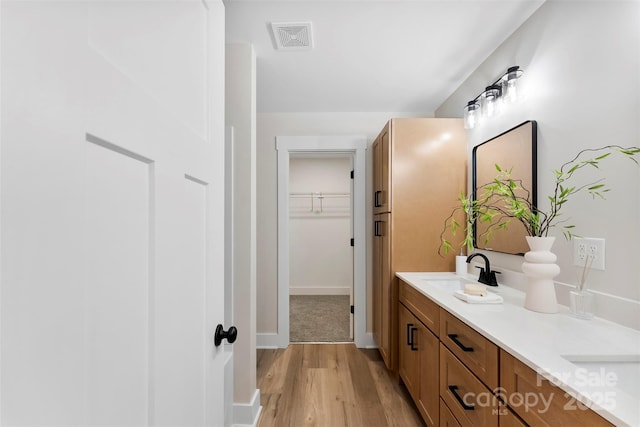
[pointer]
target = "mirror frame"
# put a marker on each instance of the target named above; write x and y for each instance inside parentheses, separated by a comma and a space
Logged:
(534, 174)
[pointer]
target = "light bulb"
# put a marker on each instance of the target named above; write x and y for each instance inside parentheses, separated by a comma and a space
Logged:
(471, 114)
(490, 101)
(510, 84)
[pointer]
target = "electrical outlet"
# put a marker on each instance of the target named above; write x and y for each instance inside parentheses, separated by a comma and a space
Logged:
(586, 248)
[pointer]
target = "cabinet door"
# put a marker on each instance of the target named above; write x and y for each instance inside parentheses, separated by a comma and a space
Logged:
(376, 149)
(377, 281)
(419, 364)
(382, 285)
(381, 166)
(429, 350)
(408, 351)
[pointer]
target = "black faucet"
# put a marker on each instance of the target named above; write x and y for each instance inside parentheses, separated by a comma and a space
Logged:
(487, 276)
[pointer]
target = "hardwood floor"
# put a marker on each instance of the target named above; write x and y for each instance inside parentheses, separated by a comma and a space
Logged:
(330, 385)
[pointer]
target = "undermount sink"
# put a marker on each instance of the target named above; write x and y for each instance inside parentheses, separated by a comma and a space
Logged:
(447, 283)
(621, 372)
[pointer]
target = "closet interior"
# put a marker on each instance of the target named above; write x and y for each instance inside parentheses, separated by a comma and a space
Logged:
(321, 255)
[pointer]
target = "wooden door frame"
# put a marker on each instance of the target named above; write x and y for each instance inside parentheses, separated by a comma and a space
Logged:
(347, 144)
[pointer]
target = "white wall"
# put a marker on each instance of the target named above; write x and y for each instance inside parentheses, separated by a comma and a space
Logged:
(581, 61)
(321, 257)
(240, 114)
(270, 125)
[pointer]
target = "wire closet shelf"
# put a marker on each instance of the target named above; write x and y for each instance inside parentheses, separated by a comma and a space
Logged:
(319, 204)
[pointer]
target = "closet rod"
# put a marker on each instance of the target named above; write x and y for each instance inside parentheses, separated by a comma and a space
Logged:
(318, 195)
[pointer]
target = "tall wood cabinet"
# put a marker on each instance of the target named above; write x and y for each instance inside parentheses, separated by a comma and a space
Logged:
(419, 170)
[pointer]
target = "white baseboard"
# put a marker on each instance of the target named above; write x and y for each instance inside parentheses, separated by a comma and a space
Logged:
(270, 341)
(247, 414)
(320, 291)
(267, 341)
(368, 341)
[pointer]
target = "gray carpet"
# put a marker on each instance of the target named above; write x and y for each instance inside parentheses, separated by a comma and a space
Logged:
(319, 318)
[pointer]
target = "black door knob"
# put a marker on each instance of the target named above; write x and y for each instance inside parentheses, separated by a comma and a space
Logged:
(221, 334)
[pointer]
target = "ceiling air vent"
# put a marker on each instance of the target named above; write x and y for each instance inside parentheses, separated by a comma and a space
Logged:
(292, 35)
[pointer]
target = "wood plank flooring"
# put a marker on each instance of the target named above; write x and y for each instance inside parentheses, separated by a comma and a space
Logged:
(330, 385)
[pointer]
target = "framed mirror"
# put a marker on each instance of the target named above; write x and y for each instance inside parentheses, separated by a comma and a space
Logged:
(514, 149)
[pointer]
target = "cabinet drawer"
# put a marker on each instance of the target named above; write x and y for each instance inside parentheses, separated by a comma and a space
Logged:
(427, 311)
(469, 400)
(478, 353)
(518, 380)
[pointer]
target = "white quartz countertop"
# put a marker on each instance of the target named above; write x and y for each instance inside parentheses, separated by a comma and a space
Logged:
(547, 343)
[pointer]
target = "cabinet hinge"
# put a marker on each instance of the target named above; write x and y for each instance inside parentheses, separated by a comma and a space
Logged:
(351, 174)
(352, 309)
(353, 242)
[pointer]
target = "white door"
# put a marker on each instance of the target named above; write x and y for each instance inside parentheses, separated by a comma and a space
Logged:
(111, 204)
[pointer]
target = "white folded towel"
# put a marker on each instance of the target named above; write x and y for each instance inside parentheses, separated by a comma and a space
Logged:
(490, 298)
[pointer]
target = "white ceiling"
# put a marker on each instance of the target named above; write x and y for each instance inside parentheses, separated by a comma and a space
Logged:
(372, 56)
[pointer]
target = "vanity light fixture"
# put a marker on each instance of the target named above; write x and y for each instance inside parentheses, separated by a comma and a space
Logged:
(489, 102)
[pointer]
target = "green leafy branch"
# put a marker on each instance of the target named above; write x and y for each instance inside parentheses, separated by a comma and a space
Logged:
(473, 211)
(505, 198)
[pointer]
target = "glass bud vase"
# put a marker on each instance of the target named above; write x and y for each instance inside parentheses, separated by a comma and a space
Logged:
(581, 304)
(539, 269)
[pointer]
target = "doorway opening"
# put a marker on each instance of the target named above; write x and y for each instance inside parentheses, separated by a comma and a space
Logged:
(321, 255)
(353, 148)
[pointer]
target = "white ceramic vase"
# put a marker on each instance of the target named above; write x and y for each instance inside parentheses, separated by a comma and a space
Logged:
(540, 268)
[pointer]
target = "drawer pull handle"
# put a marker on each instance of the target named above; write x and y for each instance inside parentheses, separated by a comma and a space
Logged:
(409, 325)
(376, 199)
(453, 389)
(454, 338)
(412, 339)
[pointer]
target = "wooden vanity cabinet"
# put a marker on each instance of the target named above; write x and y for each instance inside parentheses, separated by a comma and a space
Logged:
(419, 171)
(457, 377)
(433, 374)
